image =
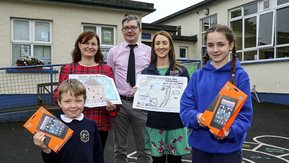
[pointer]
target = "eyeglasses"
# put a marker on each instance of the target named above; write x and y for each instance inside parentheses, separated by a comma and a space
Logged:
(127, 28)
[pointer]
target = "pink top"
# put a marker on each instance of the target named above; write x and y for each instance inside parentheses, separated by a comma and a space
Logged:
(117, 59)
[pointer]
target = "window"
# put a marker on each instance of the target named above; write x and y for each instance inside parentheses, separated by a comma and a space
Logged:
(238, 30)
(250, 8)
(236, 13)
(282, 27)
(31, 38)
(183, 52)
(266, 29)
(280, 2)
(283, 52)
(266, 53)
(261, 30)
(250, 55)
(106, 35)
(250, 32)
(206, 23)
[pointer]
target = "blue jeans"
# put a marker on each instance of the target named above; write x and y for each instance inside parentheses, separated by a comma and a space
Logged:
(126, 118)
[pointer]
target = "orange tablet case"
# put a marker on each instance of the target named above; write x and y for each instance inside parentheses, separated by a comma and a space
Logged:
(56, 132)
(224, 109)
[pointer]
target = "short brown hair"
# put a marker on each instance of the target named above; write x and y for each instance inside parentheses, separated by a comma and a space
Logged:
(129, 18)
(75, 87)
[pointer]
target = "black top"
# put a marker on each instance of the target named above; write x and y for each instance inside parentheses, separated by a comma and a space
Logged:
(163, 120)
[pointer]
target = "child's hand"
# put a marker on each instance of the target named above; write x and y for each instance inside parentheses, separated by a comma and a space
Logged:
(201, 123)
(38, 140)
(226, 133)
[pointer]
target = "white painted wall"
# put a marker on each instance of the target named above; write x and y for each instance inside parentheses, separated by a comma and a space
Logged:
(66, 24)
(267, 77)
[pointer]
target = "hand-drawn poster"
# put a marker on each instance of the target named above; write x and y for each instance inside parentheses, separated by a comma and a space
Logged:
(99, 89)
(159, 93)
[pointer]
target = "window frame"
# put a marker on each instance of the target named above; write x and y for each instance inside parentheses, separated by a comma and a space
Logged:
(204, 31)
(31, 42)
(186, 52)
(98, 29)
(272, 46)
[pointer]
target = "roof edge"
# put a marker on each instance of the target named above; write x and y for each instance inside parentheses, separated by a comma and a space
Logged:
(117, 4)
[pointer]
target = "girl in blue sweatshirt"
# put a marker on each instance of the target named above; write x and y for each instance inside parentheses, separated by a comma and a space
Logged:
(204, 85)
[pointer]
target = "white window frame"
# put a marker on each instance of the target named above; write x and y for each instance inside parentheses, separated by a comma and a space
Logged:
(104, 47)
(203, 44)
(31, 41)
(261, 11)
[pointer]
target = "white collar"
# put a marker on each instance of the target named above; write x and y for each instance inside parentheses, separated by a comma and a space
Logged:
(68, 119)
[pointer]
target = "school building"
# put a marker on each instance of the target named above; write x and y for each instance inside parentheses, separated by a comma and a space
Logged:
(262, 31)
(47, 30)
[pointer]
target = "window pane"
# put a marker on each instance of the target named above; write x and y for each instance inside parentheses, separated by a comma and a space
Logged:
(265, 29)
(105, 53)
(213, 20)
(266, 4)
(204, 51)
(266, 53)
(21, 30)
(239, 56)
(43, 53)
(282, 27)
(250, 55)
(279, 2)
(205, 24)
(107, 36)
(183, 52)
(236, 13)
(250, 9)
(283, 52)
(237, 28)
(203, 39)
(42, 32)
(89, 28)
(250, 32)
(19, 50)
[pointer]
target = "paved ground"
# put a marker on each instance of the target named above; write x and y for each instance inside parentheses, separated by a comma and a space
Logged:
(267, 141)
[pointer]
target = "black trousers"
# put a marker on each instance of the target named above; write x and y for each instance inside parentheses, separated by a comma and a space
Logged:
(168, 158)
(103, 137)
(203, 157)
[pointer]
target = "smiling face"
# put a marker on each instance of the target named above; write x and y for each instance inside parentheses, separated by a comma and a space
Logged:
(71, 105)
(88, 49)
(162, 46)
(218, 48)
(130, 31)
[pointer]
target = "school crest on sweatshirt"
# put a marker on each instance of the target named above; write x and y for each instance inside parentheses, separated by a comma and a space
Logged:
(84, 136)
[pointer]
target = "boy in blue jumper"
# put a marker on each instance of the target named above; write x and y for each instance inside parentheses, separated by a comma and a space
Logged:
(84, 145)
(203, 87)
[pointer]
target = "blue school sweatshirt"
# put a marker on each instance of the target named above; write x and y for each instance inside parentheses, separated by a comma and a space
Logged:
(83, 146)
(204, 85)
